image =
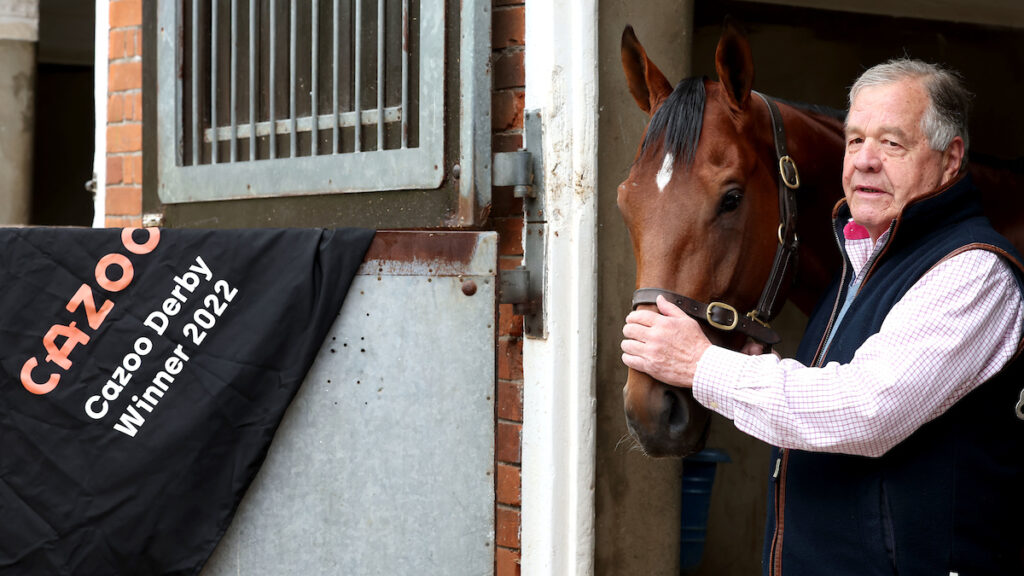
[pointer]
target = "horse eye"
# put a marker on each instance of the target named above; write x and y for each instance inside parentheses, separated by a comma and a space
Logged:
(730, 201)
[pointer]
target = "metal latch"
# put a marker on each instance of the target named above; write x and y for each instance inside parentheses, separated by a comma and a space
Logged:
(524, 169)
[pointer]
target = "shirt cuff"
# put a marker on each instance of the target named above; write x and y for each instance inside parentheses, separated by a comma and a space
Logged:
(716, 379)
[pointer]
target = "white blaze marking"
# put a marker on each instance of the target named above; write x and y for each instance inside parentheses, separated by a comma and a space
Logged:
(665, 174)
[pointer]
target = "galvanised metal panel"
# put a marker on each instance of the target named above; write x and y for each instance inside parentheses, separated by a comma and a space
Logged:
(361, 171)
(384, 463)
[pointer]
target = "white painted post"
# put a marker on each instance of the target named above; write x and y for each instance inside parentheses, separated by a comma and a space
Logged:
(99, 164)
(559, 371)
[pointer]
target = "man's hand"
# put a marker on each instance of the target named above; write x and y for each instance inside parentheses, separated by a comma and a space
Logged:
(665, 346)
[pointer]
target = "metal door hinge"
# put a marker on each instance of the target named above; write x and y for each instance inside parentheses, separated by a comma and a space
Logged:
(524, 291)
(514, 288)
(524, 170)
(152, 219)
(515, 169)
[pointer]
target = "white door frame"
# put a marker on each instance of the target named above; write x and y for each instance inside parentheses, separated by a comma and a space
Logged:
(559, 424)
(99, 163)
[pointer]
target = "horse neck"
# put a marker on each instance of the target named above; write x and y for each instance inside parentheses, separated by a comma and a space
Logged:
(816, 143)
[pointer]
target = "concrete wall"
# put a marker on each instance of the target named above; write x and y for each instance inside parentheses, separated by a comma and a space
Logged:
(637, 498)
(17, 121)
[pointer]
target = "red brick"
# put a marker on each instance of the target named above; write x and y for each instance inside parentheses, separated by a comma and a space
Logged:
(509, 262)
(508, 70)
(123, 222)
(133, 106)
(504, 203)
(510, 400)
(124, 75)
(117, 45)
(125, 13)
(507, 527)
(509, 442)
(133, 169)
(124, 200)
(507, 142)
(507, 110)
(510, 236)
(124, 138)
(506, 562)
(510, 359)
(509, 323)
(115, 108)
(115, 170)
(508, 35)
(509, 485)
(508, 27)
(123, 43)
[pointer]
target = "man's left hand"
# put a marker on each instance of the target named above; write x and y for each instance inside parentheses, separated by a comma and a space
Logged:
(665, 346)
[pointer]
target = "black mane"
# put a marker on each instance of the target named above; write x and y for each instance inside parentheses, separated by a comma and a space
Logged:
(677, 123)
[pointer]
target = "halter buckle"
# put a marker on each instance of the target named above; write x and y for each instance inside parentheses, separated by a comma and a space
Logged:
(727, 327)
(782, 241)
(788, 172)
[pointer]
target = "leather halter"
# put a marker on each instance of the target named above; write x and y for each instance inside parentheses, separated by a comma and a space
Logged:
(724, 317)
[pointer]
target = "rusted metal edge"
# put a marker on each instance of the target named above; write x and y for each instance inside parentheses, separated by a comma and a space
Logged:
(426, 253)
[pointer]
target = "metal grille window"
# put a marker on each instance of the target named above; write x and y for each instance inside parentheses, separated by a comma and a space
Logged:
(279, 97)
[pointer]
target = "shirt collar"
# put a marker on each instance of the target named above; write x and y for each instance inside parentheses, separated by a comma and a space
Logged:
(859, 247)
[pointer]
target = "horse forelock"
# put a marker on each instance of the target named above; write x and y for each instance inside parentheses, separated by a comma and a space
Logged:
(676, 124)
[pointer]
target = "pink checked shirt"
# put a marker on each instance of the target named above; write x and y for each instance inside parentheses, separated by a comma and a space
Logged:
(954, 329)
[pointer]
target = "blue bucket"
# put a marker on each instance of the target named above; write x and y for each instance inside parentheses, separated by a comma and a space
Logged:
(698, 478)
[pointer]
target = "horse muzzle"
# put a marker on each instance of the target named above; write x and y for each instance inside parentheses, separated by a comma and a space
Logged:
(665, 420)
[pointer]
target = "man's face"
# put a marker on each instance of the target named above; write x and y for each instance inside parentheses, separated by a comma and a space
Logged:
(888, 161)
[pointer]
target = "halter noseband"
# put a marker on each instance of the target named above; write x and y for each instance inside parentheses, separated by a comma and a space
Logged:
(722, 316)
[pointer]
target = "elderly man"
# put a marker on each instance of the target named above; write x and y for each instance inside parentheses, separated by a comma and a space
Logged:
(900, 424)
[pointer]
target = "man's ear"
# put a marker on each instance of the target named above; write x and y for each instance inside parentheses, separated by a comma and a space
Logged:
(952, 160)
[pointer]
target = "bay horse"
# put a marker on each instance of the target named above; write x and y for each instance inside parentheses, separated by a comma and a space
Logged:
(702, 206)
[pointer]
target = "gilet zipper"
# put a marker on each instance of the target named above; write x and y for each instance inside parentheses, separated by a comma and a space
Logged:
(782, 462)
(779, 479)
(866, 271)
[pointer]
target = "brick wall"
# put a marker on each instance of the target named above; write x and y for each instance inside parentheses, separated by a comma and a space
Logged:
(124, 115)
(508, 40)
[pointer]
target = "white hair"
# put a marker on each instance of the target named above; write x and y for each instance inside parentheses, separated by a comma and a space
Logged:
(945, 118)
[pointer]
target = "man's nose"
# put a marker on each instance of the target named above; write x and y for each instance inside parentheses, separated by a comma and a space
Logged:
(868, 159)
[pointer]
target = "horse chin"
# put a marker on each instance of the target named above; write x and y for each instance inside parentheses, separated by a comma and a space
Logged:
(664, 420)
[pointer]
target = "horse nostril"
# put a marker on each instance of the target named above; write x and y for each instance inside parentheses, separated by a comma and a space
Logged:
(677, 412)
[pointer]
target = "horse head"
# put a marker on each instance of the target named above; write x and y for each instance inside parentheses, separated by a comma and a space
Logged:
(701, 203)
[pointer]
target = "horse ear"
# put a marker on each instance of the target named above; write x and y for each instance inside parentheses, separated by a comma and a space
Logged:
(646, 83)
(735, 65)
